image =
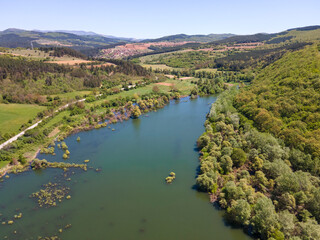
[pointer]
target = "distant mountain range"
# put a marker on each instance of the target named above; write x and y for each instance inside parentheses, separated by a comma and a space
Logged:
(13, 37)
(93, 42)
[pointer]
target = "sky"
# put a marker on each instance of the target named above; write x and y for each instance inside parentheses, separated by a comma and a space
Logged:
(152, 19)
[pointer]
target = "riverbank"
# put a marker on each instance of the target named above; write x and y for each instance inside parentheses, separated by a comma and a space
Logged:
(114, 116)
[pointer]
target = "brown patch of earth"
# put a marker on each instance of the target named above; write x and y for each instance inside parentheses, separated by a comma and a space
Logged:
(165, 84)
(54, 132)
(186, 78)
(70, 62)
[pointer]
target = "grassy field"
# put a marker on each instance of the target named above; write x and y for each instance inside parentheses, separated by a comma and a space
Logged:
(28, 53)
(37, 54)
(71, 95)
(207, 70)
(12, 116)
(4, 163)
(159, 66)
(151, 58)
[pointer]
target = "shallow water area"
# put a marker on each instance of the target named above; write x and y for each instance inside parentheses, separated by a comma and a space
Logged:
(128, 198)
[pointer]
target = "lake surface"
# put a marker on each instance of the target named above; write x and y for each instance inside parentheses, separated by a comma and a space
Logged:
(129, 198)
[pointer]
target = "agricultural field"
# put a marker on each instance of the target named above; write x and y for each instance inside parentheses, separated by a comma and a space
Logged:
(71, 95)
(12, 116)
(210, 70)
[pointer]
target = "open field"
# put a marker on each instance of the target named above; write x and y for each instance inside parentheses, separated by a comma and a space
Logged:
(28, 53)
(150, 58)
(210, 70)
(41, 55)
(12, 116)
(159, 66)
(3, 163)
(71, 95)
(70, 61)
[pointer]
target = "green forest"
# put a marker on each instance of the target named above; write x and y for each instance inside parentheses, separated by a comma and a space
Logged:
(260, 154)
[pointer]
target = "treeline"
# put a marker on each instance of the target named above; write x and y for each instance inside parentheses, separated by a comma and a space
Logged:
(250, 174)
(62, 51)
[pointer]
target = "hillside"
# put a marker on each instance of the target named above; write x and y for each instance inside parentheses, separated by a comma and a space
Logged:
(284, 100)
(191, 38)
(296, 34)
(260, 151)
(13, 38)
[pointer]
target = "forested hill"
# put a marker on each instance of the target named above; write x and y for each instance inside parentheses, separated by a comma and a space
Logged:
(284, 100)
(13, 38)
(192, 38)
(260, 151)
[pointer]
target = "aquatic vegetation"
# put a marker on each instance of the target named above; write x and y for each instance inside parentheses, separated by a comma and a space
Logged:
(50, 194)
(78, 139)
(67, 152)
(49, 238)
(65, 156)
(171, 177)
(87, 160)
(47, 150)
(136, 111)
(18, 216)
(64, 146)
(40, 164)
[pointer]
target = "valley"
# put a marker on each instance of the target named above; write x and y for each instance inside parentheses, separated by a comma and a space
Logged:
(95, 124)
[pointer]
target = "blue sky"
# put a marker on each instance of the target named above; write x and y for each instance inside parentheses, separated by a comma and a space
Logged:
(150, 19)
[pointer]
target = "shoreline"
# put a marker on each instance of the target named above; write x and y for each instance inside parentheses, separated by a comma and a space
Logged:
(117, 118)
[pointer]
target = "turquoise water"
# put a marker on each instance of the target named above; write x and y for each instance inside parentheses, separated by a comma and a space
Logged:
(129, 198)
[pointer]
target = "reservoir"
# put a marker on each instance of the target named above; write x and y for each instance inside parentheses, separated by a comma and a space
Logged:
(129, 198)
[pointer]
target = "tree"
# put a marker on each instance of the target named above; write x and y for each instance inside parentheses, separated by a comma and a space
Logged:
(136, 112)
(22, 159)
(203, 141)
(265, 217)
(239, 157)
(226, 164)
(207, 181)
(240, 212)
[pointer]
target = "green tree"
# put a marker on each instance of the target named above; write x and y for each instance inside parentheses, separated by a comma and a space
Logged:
(136, 112)
(239, 157)
(265, 217)
(226, 164)
(240, 212)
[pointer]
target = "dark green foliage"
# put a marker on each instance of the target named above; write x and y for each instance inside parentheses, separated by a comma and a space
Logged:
(62, 51)
(257, 185)
(239, 157)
